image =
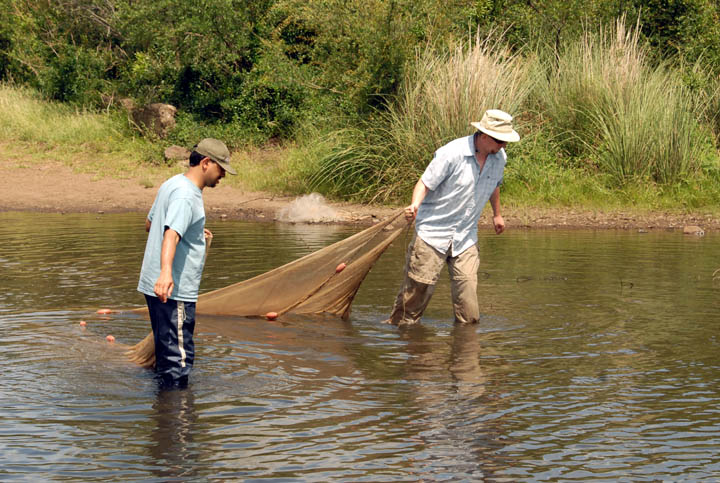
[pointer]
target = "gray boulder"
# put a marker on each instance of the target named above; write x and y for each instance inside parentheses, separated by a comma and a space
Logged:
(156, 118)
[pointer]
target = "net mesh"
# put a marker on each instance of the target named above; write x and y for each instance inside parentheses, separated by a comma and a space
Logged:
(323, 282)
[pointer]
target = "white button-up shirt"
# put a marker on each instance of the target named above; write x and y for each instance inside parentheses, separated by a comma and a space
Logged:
(448, 216)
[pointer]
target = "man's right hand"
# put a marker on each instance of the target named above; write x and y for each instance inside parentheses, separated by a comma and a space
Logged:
(411, 212)
(164, 286)
(419, 192)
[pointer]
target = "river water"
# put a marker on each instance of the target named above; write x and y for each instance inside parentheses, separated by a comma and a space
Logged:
(596, 359)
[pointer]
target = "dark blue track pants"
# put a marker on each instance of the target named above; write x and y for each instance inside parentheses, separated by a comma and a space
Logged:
(173, 325)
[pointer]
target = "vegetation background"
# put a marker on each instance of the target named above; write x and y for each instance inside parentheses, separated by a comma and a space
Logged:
(617, 101)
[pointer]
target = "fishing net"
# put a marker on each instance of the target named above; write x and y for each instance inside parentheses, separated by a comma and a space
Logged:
(323, 282)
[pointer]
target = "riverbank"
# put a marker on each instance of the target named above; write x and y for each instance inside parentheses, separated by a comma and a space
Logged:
(56, 187)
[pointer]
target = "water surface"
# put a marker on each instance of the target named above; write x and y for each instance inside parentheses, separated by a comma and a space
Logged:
(596, 359)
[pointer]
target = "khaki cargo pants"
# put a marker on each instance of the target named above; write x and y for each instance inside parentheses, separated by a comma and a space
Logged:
(422, 268)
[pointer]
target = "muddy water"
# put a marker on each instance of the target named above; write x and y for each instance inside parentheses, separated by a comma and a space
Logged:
(596, 358)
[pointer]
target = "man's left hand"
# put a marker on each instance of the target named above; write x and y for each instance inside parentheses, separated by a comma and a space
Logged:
(499, 224)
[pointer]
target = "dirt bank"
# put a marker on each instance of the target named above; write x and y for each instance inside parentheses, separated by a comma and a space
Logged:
(54, 187)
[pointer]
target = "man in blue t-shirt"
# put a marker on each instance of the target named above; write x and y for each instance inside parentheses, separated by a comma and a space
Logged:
(446, 205)
(174, 259)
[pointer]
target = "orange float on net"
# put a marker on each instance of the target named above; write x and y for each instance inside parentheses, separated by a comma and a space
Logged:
(110, 338)
(104, 311)
(340, 267)
(271, 315)
(83, 323)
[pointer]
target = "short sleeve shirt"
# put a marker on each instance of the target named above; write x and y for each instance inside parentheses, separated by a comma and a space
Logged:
(178, 206)
(448, 216)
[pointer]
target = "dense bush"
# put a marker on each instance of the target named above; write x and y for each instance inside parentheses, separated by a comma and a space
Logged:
(209, 58)
(267, 65)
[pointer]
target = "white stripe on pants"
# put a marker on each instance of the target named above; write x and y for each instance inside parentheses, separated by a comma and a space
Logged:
(180, 321)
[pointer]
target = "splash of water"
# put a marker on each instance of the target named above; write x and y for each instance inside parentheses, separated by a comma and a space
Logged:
(310, 208)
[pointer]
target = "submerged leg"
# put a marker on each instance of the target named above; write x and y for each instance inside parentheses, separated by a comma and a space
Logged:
(422, 267)
(463, 285)
(173, 324)
(411, 302)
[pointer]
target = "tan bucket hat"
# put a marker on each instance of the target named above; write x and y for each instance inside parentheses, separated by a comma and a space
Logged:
(497, 124)
(217, 151)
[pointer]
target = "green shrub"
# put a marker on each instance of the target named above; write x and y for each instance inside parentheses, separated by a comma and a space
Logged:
(358, 48)
(189, 129)
(75, 76)
(535, 175)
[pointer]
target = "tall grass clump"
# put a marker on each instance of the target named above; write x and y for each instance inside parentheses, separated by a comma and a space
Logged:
(440, 94)
(609, 107)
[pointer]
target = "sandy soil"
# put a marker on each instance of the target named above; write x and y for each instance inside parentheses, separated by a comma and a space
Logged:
(54, 187)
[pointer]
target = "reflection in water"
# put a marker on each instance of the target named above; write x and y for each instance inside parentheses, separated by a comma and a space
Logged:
(433, 357)
(458, 397)
(173, 437)
(596, 358)
(465, 367)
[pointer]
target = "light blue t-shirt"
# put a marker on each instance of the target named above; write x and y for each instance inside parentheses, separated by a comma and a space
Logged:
(448, 217)
(179, 206)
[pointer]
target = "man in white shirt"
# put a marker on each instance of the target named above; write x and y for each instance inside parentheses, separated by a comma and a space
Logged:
(446, 205)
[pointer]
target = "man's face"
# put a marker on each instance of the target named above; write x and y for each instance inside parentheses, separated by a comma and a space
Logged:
(213, 174)
(493, 145)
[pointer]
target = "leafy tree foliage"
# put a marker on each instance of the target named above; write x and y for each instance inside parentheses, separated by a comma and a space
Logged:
(264, 65)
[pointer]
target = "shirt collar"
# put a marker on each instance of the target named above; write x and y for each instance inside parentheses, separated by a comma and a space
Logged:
(469, 149)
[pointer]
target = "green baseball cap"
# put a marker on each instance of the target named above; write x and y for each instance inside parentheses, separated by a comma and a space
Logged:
(217, 151)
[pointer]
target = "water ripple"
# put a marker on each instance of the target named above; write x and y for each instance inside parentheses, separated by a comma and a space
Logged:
(601, 365)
